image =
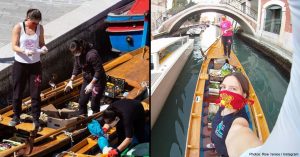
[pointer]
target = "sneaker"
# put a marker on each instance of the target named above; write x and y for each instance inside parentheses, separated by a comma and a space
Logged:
(15, 121)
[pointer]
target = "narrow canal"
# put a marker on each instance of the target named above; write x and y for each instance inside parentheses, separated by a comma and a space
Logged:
(169, 132)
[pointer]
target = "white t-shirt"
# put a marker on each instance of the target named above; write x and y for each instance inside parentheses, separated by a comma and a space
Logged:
(30, 42)
(285, 136)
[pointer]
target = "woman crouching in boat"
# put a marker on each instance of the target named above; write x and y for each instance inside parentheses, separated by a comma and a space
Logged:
(233, 98)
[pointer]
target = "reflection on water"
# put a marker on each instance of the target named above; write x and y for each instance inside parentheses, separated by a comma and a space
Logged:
(269, 84)
(169, 133)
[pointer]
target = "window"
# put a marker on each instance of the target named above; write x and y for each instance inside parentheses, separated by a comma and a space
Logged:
(151, 63)
(273, 19)
(163, 54)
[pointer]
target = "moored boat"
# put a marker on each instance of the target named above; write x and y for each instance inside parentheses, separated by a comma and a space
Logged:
(194, 31)
(168, 56)
(135, 83)
(128, 26)
(203, 107)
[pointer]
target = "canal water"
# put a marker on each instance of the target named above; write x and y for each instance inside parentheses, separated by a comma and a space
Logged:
(169, 133)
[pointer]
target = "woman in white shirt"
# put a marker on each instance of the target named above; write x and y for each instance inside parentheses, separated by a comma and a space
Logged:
(28, 44)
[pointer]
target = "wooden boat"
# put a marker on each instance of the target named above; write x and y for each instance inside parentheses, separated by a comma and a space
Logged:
(128, 26)
(198, 135)
(132, 67)
(89, 145)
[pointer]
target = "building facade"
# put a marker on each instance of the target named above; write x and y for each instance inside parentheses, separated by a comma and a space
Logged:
(158, 10)
(274, 23)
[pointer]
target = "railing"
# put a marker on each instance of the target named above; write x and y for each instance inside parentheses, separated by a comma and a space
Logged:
(230, 3)
(243, 8)
(169, 13)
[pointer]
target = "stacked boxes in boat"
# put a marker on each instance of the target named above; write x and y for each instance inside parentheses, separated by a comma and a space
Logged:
(212, 111)
(215, 75)
(58, 118)
(214, 88)
(218, 63)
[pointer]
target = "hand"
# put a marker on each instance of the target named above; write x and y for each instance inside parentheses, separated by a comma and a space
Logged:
(44, 50)
(225, 31)
(69, 86)
(106, 150)
(105, 130)
(113, 153)
(28, 52)
(89, 88)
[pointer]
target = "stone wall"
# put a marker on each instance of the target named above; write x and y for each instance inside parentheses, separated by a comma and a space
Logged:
(59, 60)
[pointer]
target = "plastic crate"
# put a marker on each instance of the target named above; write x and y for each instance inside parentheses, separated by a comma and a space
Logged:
(114, 86)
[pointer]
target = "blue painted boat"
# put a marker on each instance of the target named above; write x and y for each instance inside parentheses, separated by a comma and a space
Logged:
(128, 26)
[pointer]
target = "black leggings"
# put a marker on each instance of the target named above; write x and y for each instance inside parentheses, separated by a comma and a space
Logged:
(227, 41)
(22, 74)
(95, 96)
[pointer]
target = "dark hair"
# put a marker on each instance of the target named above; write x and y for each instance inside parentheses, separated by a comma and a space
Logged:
(77, 44)
(34, 14)
(109, 114)
(243, 81)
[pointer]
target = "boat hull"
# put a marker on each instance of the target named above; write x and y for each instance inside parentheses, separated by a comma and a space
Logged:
(128, 30)
(111, 18)
(120, 43)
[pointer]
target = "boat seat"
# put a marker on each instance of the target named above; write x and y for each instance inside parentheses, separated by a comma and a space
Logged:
(26, 126)
(192, 147)
(196, 115)
(29, 127)
(198, 93)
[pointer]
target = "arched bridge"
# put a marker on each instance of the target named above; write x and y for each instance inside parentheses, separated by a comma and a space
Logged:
(245, 16)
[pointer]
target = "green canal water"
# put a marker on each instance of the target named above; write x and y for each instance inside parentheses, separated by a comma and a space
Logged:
(169, 133)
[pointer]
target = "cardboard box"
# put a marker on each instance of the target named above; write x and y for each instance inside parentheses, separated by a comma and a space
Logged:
(56, 123)
(50, 110)
(213, 108)
(67, 113)
(58, 118)
(215, 75)
(218, 63)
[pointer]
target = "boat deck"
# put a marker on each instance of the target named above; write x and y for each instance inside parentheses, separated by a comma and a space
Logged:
(133, 75)
(154, 78)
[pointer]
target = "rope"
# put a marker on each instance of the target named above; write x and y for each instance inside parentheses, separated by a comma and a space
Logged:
(66, 152)
(70, 135)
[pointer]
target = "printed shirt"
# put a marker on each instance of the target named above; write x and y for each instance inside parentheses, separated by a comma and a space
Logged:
(221, 126)
(224, 26)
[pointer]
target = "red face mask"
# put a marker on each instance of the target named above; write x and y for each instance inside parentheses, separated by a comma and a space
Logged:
(229, 99)
(32, 25)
